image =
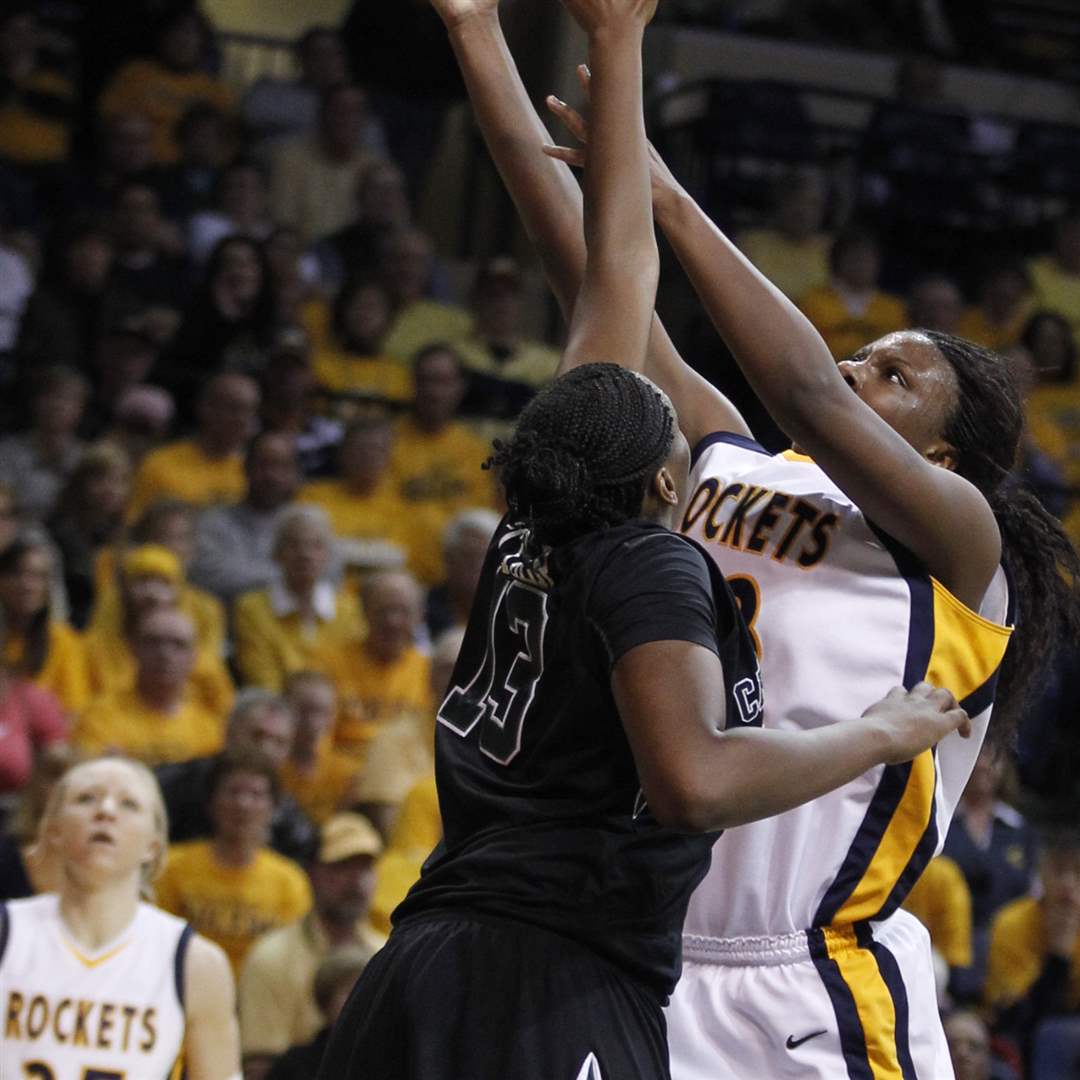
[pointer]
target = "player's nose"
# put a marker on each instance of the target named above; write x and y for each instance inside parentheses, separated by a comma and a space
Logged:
(852, 374)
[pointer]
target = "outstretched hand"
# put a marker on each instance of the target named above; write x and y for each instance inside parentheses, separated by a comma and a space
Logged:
(915, 720)
(596, 15)
(454, 12)
(661, 177)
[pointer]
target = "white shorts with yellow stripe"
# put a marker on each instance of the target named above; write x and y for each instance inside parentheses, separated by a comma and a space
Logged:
(856, 1002)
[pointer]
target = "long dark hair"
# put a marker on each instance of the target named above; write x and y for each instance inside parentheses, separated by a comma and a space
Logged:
(37, 633)
(985, 428)
(583, 452)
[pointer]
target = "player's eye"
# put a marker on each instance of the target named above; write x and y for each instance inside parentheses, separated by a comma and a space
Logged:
(895, 375)
(129, 803)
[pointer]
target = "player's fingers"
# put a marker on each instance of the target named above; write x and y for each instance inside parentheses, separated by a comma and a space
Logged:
(570, 118)
(896, 692)
(574, 158)
(584, 76)
(942, 698)
(961, 720)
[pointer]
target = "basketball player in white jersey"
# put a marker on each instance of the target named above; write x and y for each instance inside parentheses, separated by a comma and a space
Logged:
(94, 983)
(873, 557)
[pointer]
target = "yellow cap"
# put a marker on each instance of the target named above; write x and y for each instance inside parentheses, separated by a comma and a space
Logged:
(153, 560)
(346, 835)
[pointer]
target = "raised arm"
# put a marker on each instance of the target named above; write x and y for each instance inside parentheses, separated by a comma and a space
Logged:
(549, 201)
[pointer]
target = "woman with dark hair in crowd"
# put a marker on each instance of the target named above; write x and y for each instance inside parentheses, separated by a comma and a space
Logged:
(870, 555)
(37, 645)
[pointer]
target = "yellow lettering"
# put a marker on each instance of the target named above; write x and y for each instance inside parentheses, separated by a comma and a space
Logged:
(60, 1036)
(82, 1015)
(149, 1031)
(129, 1014)
(105, 1022)
(37, 1017)
(14, 1008)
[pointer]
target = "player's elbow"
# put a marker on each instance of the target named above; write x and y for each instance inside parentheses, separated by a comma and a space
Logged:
(688, 807)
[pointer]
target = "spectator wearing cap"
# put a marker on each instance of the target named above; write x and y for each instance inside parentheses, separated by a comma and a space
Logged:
(164, 86)
(231, 887)
(1003, 307)
(851, 310)
(465, 544)
(505, 369)
(158, 718)
(276, 1000)
(207, 469)
(313, 178)
(437, 460)
(315, 774)
(151, 578)
(367, 503)
(301, 615)
(350, 364)
(260, 722)
(792, 251)
(37, 464)
(334, 979)
(1055, 276)
(383, 679)
(234, 545)
(1034, 965)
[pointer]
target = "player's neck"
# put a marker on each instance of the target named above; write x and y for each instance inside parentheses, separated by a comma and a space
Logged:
(94, 917)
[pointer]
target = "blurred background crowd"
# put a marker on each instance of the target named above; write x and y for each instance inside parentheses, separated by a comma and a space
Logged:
(263, 308)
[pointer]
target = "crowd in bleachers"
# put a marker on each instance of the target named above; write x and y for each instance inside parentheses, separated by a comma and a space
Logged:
(242, 511)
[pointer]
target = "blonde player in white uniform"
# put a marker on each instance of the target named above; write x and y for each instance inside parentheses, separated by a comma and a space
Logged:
(876, 561)
(94, 983)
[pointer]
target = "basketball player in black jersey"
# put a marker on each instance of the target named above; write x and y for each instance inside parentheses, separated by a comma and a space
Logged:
(603, 717)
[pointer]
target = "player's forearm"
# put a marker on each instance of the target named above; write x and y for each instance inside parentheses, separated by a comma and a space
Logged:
(776, 346)
(546, 195)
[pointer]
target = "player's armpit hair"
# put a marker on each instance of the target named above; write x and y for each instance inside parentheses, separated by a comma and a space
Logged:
(583, 452)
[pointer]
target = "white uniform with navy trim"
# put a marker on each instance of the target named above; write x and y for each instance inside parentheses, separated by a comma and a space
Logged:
(789, 928)
(72, 1015)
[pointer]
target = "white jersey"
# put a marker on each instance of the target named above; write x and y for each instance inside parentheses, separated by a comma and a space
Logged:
(115, 1014)
(840, 614)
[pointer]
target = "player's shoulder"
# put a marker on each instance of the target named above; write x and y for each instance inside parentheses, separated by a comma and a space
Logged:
(154, 920)
(28, 910)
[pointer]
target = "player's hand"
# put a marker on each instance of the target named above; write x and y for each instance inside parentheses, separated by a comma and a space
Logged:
(915, 720)
(664, 184)
(597, 15)
(455, 12)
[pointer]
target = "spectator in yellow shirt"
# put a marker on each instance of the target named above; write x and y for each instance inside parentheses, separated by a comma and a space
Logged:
(351, 363)
(157, 719)
(997, 320)
(851, 311)
(465, 545)
(941, 901)
(1034, 966)
(366, 504)
(316, 774)
(36, 645)
(232, 888)
(437, 460)
(793, 250)
(301, 615)
(165, 87)
(151, 578)
(209, 468)
(382, 679)
(1055, 276)
(276, 992)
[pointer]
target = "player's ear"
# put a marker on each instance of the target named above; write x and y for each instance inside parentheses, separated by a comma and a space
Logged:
(943, 454)
(665, 488)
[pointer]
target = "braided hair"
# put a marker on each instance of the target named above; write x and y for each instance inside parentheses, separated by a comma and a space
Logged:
(985, 428)
(584, 451)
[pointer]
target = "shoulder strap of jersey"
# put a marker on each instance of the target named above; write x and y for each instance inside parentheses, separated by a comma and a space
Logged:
(5, 929)
(178, 963)
(729, 437)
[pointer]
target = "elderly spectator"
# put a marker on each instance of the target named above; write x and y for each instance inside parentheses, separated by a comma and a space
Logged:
(159, 718)
(350, 363)
(505, 368)
(209, 468)
(262, 723)
(37, 464)
(383, 678)
(147, 267)
(1055, 276)
(334, 979)
(61, 320)
(935, 303)
(234, 545)
(151, 577)
(1004, 305)
(89, 516)
(301, 615)
(792, 251)
(316, 775)
(276, 108)
(231, 887)
(240, 210)
(367, 504)
(141, 419)
(438, 462)
(276, 999)
(851, 311)
(314, 178)
(38, 645)
(465, 546)
(165, 86)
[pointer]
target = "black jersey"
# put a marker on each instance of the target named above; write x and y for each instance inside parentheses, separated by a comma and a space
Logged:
(543, 816)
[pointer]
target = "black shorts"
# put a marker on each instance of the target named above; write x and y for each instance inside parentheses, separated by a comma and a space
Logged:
(477, 998)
